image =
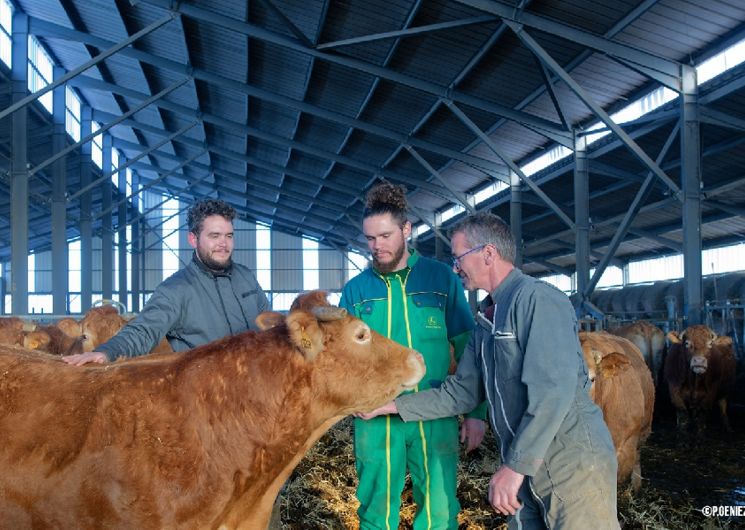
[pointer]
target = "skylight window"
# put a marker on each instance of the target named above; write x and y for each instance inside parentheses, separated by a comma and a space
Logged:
(97, 146)
(72, 114)
(6, 30)
(40, 71)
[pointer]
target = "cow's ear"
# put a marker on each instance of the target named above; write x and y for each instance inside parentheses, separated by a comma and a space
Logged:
(305, 333)
(673, 337)
(612, 364)
(269, 320)
(723, 341)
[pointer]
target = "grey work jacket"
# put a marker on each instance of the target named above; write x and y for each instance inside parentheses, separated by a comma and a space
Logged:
(192, 307)
(526, 361)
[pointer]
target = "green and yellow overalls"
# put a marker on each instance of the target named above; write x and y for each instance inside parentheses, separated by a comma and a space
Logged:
(423, 307)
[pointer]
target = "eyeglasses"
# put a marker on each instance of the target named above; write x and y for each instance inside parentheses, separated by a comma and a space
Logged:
(456, 259)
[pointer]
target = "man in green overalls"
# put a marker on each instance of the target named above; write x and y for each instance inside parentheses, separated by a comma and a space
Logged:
(419, 303)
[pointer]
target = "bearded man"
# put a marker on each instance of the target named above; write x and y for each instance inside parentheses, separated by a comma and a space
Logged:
(210, 298)
(418, 302)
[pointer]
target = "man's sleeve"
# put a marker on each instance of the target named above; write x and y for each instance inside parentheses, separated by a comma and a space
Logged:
(460, 343)
(143, 333)
(459, 316)
(458, 394)
(547, 328)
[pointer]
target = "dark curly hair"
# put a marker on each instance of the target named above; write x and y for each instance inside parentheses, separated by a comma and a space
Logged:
(204, 208)
(386, 198)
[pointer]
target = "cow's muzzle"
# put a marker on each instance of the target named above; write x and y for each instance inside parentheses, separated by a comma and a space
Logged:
(699, 364)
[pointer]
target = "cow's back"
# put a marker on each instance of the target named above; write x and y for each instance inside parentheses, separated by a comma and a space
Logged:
(649, 339)
(624, 391)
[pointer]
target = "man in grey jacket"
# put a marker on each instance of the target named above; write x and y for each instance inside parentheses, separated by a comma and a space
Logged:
(210, 298)
(558, 465)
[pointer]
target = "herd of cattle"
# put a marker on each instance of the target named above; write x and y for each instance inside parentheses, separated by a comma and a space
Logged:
(206, 438)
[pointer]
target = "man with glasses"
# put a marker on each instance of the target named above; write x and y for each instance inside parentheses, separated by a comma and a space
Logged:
(558, 465)
(419, 303)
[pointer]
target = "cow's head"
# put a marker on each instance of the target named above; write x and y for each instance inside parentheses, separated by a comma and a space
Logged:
(697, 341)
(354, 367)
(99, 325)
(603, 359)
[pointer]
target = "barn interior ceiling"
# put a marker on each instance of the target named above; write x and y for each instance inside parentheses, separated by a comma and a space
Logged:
(291, 110)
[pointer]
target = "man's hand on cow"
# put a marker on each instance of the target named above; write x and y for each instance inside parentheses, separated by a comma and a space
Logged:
(472, 433)
(79, 359)
(388, 408)
(503, 488)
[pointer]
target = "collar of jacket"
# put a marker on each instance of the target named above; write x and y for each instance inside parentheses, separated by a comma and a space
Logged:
(487, 305)
(206, 270)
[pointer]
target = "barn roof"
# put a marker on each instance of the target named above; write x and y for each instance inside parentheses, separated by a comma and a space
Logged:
(290, 110)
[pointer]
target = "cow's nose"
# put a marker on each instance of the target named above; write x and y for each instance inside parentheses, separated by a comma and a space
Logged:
(699, 364)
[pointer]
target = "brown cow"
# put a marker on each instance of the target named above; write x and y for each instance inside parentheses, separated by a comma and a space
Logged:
(103, 322)
(623, 389)
(700, 371)
(200, 439)
(69, 327)
(13, 330)
(51, 339)
(651, 343)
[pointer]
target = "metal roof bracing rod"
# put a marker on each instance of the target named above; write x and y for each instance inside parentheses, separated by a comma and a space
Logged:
(629, 216)
(546, 58)
(83, 67)
(523, 177)
(44, 28)
(356, 64)
(132, 161)
(108, 126)
(662, 70)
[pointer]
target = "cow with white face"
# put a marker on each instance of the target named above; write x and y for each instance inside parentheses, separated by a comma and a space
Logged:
(700, 371)
(199, 439)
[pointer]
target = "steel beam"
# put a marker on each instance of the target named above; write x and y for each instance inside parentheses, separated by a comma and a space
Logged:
(628, 218)
(581, 219)
(86, 223)
(107, 236)
(263, 34)
(546, 59)
(513, 167)
(663, 70)
(516, 217)
(60, 264)
(19, 169)
(690, 156)
(408, 32)
(132, 111)
(82, 68)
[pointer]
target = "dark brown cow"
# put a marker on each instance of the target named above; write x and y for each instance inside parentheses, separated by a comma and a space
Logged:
(201, 439)
(623, 389)
(651, 343)
(700, 371)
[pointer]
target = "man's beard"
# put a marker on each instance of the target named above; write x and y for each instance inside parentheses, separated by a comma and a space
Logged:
(393, 264)
(213, 264)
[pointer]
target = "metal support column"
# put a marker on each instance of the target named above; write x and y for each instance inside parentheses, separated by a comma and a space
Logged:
(439, 250)
(107, 235)
(516, 217)
(122, 239)
(690, 156)
(86, 226)
(135, 242)
(581, 217)
(60, 263)
(19, 170)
